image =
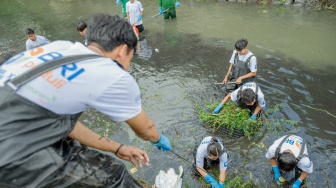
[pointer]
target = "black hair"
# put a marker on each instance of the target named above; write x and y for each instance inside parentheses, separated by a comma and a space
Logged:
(241, 44)
(247, 95)
(81, 26)
(111, 31)
(214, 148)
(29, 31)
(286, 161)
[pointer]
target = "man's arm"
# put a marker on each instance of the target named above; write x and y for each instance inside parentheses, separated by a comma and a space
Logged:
(89, 138)
(226, 99)
(257, 110)
(222, 176)
(27, 46)
(251, 74)
(227, 74)
(273, 162)
(144, 127)
(202, 172)
(303, 175)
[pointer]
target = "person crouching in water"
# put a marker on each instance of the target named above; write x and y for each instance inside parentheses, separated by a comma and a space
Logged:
(212, 150)
(248, 96)
(287, 153)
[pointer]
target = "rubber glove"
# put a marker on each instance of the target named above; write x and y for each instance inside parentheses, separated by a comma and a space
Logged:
(253, 117)
(297, 183)
(163, 144)
(222, 185)
(218, 108)
(177, 4)
(212, 181)
(117, 2)
(160, 8)
(140, 17)
(276, 173)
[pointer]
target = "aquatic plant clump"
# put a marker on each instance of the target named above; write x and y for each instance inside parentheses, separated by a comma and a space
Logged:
(231, 118)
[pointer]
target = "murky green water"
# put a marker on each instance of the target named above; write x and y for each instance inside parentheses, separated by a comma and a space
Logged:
(295, 52)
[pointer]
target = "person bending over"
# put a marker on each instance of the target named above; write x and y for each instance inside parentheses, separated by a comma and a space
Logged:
(288, 153)
(212, 150)
(43, 92)
(248, 96)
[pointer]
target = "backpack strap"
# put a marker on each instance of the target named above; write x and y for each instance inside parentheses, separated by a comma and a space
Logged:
(256, 93)
(277, 151)
(247, 61)
(27, 76)
(239, 93)
(235, 58)
(301, 155)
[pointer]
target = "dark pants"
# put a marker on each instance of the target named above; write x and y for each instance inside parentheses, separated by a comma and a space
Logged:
(140, 28)
(171, 13)
(67, 164)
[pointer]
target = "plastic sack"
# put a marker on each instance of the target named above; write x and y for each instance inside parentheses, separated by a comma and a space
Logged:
(169, 179)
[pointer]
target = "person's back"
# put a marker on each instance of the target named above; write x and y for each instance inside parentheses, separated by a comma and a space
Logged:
(37, 116)
(34, 40)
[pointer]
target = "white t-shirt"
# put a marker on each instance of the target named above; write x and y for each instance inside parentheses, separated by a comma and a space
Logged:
(97, 83)
(294, 144)
(134, 10)
(253, 86)
(38, 42)
(253, 61)
(202, 153)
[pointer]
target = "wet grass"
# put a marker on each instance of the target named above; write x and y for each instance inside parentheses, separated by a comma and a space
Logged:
(232, 118)
(235, 119)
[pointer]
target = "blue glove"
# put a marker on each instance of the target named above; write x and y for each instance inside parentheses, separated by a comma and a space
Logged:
(218, 108)
(253, 117)
(297, 183)
(117, 2)
(177, 4)
(160, 8)
(163, 144)
(222, 185)
(139, 17)
(276, 173)
(212, 181)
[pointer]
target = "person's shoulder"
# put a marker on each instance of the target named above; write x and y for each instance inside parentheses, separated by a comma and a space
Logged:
(306, 163)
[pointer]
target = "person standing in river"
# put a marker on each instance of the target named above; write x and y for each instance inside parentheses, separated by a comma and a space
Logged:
(34, 40)
(243, 67)
(43, 92)
(167, 8)
(288, 153)
(123, 7)
(134, 12)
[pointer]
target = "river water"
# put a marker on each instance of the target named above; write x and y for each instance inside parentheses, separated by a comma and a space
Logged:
(295, 51)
